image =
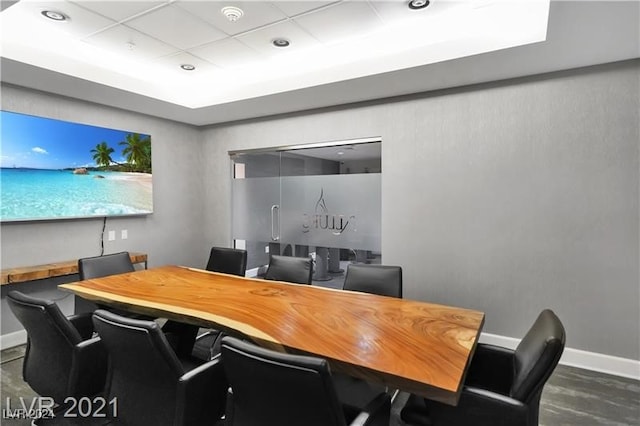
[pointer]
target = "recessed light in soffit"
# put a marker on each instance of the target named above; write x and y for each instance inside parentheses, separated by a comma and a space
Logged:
(280, 42)
(188, 67)
(418, 4)
(54, 15)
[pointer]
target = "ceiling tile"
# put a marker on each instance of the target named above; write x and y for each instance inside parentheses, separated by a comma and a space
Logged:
(293, 8)
(176, 27)
(256, 14)
(118, 39)
(81, 23)
(338, 23)
(119, 10)
(227, 53)
(261, 39)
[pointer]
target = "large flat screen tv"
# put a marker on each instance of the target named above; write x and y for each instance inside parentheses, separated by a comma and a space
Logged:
(52, 169)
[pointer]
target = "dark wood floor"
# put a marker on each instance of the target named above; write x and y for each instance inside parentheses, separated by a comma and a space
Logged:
(572, 396)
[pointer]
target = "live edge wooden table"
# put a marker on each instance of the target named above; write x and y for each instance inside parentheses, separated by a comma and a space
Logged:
(417, 347)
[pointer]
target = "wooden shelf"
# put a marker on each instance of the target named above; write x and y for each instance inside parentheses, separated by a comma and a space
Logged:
(50, 270)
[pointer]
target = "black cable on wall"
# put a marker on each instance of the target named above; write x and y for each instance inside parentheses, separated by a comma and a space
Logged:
(104, 226)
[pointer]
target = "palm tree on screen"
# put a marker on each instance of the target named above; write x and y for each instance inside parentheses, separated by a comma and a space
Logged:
(137, 151)
(102, 154)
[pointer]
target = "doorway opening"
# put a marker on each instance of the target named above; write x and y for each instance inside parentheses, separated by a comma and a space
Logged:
(320, 200)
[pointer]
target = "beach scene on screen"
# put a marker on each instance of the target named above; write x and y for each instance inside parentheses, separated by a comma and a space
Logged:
(53, 169)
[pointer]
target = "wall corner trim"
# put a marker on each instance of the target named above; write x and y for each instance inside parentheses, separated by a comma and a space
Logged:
(594, 361)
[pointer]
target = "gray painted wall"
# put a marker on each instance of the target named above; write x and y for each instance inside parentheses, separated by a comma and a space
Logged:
(508, 197)
(171, 235)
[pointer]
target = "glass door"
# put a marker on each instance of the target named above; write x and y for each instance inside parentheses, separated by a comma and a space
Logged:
(320, 201)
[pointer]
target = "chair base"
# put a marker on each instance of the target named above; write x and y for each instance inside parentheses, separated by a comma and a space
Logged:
(415, 412)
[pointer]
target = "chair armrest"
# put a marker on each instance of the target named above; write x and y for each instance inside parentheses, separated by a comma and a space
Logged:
(491, 368)
(375, 413)
(89, 367)
(83, 323)
(483, 407)
(482, 395)
(201, 394)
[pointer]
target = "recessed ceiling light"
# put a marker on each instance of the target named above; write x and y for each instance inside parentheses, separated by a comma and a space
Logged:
(280, 42)
(54, 15)
(188, 67)
(418, 4)
(232, 13)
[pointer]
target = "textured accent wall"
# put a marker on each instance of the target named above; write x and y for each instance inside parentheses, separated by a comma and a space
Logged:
(168, 235)
(507, 197)
(171, 235)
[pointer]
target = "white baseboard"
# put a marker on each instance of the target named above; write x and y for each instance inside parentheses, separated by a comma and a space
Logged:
(11, 340)
(594, 361)
(252, 272)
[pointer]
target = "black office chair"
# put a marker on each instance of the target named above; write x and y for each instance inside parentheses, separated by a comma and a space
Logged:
(382, 280)
(273, 389)
(100, 266)
(182, 336)
(228, 261)
(62, 359)
(290, 269)
(152, 385)
(503, 386)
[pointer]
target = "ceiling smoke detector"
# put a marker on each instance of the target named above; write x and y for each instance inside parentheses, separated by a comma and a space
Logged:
(232, 13)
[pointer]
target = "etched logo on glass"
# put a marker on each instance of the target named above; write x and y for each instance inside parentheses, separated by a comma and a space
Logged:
(322, 219)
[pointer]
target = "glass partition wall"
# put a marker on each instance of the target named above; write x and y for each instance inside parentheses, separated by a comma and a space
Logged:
(319, 200)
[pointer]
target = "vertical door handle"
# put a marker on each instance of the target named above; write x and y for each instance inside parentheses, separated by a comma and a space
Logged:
(274, 236)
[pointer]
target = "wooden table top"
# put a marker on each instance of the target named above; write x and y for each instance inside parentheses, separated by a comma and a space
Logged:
(418, 347)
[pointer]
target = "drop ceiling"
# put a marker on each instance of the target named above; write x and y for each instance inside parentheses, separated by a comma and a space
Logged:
(128, 54)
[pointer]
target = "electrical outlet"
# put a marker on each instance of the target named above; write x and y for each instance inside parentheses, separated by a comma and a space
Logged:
(112, 235)
(266, 249)
(124, 234)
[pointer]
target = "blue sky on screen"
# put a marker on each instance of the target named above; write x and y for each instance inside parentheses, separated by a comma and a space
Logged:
(44, 143)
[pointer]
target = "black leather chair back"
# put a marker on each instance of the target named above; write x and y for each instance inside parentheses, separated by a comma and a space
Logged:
(48, 359)
(143, 369)
(290, 269)
(102, 266)
(537, 355)
(228, 261)
(376, 279)
(274, 389)
(503, 386)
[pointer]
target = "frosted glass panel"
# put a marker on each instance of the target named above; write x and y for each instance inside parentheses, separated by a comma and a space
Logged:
(341, 211)
(253, 201)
